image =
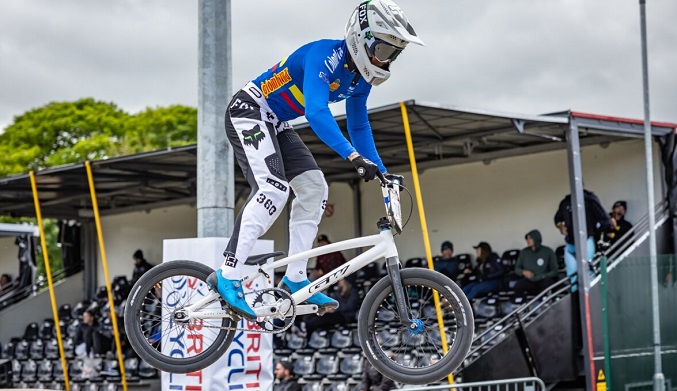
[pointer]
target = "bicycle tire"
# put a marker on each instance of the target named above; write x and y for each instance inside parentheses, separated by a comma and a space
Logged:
(140, 342)
(456, 305)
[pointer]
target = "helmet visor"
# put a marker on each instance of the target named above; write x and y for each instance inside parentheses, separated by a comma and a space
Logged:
(384, 51)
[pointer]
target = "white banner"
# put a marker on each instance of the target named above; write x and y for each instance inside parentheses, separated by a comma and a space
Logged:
(248, 362)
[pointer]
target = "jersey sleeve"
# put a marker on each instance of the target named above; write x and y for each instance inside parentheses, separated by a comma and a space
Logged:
(360, 130)
(320, 119)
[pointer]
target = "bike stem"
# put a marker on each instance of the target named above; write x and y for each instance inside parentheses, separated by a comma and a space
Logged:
(393, 268)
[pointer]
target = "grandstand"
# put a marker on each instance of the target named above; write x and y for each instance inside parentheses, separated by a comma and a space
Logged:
(478, 177)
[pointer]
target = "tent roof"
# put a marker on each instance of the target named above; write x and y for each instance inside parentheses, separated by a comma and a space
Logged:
(442, 135)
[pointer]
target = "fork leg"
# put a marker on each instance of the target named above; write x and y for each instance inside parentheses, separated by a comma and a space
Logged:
(401, 299)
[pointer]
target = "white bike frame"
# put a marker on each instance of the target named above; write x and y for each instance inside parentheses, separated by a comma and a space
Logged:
(382, 246)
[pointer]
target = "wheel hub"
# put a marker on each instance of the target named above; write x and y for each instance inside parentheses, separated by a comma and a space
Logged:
(181, 316)
(416, 326)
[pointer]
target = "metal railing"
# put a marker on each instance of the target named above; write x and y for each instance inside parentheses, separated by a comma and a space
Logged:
(517, 384)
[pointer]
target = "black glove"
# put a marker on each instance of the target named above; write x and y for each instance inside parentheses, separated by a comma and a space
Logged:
(366, 169)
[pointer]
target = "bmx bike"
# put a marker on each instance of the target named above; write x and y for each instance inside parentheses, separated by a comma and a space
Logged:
(177, 324)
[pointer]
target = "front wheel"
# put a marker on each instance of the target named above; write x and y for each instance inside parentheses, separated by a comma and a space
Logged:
(151, 322)
(412, 352)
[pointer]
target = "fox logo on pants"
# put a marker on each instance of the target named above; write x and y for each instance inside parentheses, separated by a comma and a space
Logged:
(253, 136)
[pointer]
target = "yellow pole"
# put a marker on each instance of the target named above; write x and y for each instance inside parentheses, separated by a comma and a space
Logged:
(424, 226)
(48, 270)
(113, 317)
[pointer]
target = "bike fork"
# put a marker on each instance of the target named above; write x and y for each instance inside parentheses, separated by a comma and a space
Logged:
(401, 299)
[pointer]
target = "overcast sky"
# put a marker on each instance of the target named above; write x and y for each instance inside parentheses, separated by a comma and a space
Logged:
(522, 56)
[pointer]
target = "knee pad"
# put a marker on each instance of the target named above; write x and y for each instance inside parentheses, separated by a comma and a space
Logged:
(311, 196)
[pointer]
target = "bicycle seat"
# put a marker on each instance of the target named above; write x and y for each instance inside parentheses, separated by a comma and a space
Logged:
(260, 259)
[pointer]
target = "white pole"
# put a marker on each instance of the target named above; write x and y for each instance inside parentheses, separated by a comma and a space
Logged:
(658, 378)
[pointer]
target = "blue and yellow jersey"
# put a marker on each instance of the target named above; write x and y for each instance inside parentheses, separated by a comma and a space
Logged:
(308, 80)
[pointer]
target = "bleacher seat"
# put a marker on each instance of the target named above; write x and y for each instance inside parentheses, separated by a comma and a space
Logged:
(509, 259)
(416, 262)
(79, 308)
(65, 312)
(319, 339)
(304, 365)
(29, 371)
(464, 261)
(512, 304)
(57, 370)
(22, 350)
(16, 371)
(327, 364)
(486, 307)
(73, 328)
(412, 340)
(341, 339)
(313, 386)
(389, 338)
(132, 369)
(110, 370)
(37, 350)
(338, 386)
(52, 349)
(31, 333)
(146, 371)
(406, 359)
(385, 315)
(369, 272)
(45, 371)
(296, 342)
(351, 365)
(8, 350)
(47, 329)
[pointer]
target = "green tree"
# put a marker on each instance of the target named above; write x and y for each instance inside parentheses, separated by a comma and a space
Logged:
(71, 132)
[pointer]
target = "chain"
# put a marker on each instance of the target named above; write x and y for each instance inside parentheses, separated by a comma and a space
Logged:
(262, 330)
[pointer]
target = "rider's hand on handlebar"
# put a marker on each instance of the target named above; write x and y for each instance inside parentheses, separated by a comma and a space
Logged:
(366, 169)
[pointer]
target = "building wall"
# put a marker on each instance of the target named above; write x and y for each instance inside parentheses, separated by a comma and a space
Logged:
(497, 202)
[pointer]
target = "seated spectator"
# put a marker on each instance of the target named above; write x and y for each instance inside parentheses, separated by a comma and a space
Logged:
(89, 340)
(536, 265)
(447, 263)
(326, 262)
(284, 373)
(141, 266)
(488, 273)
(373, 380)
(6, 283)
(349, 302)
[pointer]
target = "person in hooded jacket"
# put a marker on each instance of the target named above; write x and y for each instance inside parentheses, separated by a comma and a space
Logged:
(489, 273)
(536, 265)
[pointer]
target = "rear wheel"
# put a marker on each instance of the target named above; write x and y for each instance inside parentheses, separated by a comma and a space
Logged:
(152, 312)
(414, 354)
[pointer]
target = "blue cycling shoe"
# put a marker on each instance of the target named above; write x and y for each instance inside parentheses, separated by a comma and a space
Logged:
(232, 293)
(319, 299)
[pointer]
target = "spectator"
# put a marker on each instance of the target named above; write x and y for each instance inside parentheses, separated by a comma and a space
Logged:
(5, 283)
(89, 340)
(373, 380)
(326, 262)
(447, 263)
(284, 373)
(349, 301)
(619, 225)
(141, 266)
(488, 272)
(597, 221)
(536, 265)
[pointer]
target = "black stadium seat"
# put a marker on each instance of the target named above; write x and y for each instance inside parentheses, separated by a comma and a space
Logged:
(351, 365)
(31, 333)
(416, 262)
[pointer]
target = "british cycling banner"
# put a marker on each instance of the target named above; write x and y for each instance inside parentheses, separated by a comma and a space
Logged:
(248, 362)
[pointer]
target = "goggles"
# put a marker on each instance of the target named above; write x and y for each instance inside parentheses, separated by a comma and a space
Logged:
(384, 51)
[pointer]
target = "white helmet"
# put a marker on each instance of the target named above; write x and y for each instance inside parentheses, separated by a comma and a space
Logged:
(378, 28)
